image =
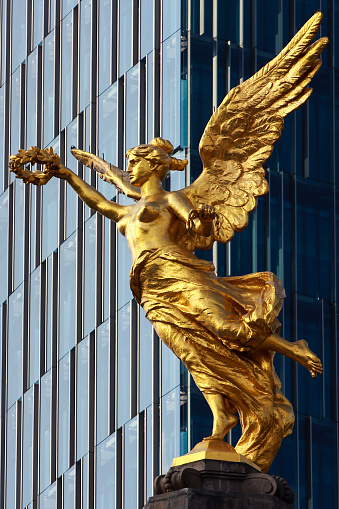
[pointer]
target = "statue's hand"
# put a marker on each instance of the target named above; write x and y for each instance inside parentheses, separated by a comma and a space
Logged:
(200, 220)
(206, 213)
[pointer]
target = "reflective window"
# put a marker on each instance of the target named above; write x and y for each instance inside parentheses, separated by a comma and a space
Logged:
(324, 464)
(71, 162)
(18, 45)
(69, 489)
(269, 38)
(15, 111)
(27, 448)
(34, 326)
(171, 89)
(50, 214)
(38, 10)
(132, 108)
(51, 13)
(11, 456)
(85, 483)
(66, 69)
(19, 202)
(2, 113)
(3, 245)
(105, 474)
(14, 346)
(102, 381)
(170, 419)
(4, 37)
(48, 317)
(48, 499)
(31, 102)
(149, 452)
(130, 464)
(48, 89)
(150, 95)
(125, 35)
(170, 17)
(45, 431)
(82, 398)
(146, 27)
(145, 360)
(104, 35)
(67, 295)
(124, 364)
(178, 178)
(67, 5)
(170, 369)
(124, 266)
(90, 228)
(108, 260)
(85, 53)
(63, 414)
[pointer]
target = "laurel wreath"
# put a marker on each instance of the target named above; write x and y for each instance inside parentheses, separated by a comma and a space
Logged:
(34, 155)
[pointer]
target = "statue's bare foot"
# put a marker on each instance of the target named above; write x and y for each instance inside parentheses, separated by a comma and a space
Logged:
(214, 437)
(307, 358)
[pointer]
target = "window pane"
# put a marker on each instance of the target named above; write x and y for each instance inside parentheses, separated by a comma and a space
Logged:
(66, 69)
(124, 364)
(27, 449)
(82, 398)
(50, 215)
(63, 414)
(108, 258)
(38, 10)
(90, 228)
(130, 464)
(3, 245)
(31, 103)
(67, 295)
(170, 418)
(132, 108)
(171, 89)
(85, 53)
(170, 17)
(14, 354)
(11, 456)
(49, 296)
(102, 381)
(48, 89)
(71, 196)
(170, 369)
(34, 327)
(3, 167)
(149, 452)
(124, 264)
(47, 499)
(147, 21)
(104, 35)
(69, 489)
(45, 430)
(149, 101)
(19, 202)
(15, 111)
(105, 474)
(67, 5)
(145, 360)
(18, 46)
(125, 35)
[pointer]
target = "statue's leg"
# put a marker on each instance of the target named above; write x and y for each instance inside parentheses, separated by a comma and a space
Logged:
(298, 351)
(223, 418)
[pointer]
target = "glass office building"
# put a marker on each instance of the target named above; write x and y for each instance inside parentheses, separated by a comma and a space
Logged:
(92, 405)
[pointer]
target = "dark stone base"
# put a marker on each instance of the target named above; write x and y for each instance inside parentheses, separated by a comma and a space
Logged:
(217, 484)
(189, 498)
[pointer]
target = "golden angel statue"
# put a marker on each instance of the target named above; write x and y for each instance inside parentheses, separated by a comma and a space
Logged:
(225, 330)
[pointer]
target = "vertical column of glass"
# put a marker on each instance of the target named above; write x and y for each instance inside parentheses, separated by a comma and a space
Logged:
(66, 69)
(11, 455)
(132, 108)
(48, 88)
(131, 464)
(67, 294)
(171, 89)
(170, 426)
(18, 43)
(145, 361)
(125, 35)
(2, 132)
(19, 247)
(50, 212)
(89, 302)
(82, 400)
(27, 447)
(31, 101)
(85, 53)
(72, 164)
(3, 245)
(69, 488)
(63, 414)
(103, 397)
(45, 431)
(105, 473)
(15, 346)
(104, 43)
(34, 326)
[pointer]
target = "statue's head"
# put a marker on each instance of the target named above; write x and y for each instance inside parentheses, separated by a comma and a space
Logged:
(158, 154)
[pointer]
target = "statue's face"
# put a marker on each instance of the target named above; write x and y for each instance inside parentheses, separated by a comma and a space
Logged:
(139, 170)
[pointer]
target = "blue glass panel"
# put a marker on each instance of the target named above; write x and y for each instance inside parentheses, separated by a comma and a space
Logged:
(125, 35)
(49, 297)
(149, 100)
(38, 10)
(170, 418)
(27, 448)
(102, 381)
(34, 327)
(31, 103)
(51, 13)
(15, 111)
(3, 245)
(82, 398)
(171, 89)
(146, 27)
(85, 483)
(178, 178)
(132, 108)
(19, 200)
(14, 346)
(2, 113)
(67, 5)
(63, 414)
(48, 89)
(124, 364)
(145, 360)
(105, 474)
(45, 431)
(48, 499)
(130, 464)
(11, 456)
(71, 162)
(66, 69)
(324, 464)
(69, 489)
(124, 264)
(171, 19)
(85, 53)
(269, 38)
(3, 40)
(18, 45)
(50, 214)
(149, 452)
(67, 295)
(106, 268)
(90, 228)
(104, 43)
(170, 369)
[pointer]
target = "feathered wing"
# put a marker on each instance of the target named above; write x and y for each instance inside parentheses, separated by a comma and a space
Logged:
(240, 135)
(108, 172)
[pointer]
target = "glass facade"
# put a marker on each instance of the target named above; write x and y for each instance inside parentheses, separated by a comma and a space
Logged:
(92, 405)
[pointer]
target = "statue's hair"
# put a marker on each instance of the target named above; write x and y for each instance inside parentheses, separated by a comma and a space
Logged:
(158, 151)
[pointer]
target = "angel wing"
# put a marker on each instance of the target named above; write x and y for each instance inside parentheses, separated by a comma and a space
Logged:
(240, 135)
(108, 172)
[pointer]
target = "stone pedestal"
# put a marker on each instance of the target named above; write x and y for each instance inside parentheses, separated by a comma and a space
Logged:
(219, 484)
